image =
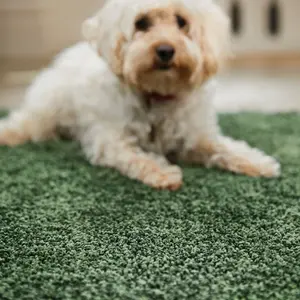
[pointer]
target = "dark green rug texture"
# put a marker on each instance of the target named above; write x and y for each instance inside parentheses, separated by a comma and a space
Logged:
(69, 230)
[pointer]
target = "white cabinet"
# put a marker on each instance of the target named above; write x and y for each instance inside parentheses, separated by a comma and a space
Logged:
(265, 26)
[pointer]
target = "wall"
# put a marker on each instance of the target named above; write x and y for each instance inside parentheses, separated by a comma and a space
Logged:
(34, 30)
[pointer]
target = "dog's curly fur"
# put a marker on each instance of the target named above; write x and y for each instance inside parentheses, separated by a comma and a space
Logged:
(128, 110)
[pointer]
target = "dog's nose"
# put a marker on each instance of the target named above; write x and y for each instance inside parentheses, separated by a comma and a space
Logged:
(165, 52)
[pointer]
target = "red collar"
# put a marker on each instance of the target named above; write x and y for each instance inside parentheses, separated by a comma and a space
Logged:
(159, 97)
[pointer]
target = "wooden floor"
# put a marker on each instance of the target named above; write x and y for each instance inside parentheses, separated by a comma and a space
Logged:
(267, 90)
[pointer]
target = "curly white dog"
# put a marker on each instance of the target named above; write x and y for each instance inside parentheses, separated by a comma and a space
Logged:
(139, 93)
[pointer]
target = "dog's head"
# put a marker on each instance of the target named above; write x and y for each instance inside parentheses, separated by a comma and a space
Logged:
(160, 46)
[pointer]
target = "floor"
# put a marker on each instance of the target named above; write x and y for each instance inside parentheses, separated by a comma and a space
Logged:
(266, 90)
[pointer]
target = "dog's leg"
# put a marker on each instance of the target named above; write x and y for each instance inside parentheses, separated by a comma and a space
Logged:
(235, 156)
(108, 148)
(23, 126)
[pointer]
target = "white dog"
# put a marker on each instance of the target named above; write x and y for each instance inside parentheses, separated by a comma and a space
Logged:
(140, 92)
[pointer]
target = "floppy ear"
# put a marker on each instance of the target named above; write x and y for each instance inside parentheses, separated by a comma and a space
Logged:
(214, 38)
(103, 33)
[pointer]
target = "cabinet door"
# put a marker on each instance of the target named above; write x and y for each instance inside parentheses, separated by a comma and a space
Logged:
(268, 26)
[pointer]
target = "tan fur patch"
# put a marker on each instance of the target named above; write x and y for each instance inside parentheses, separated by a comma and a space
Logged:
(210, 64)
(12, 138)
(118, 58)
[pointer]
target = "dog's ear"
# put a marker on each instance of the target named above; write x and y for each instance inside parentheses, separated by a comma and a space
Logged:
(104, 33)
(213, 34)
(90, 29)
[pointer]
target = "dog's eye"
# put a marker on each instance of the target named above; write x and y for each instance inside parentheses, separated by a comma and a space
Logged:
(181, 21)
(142, 24)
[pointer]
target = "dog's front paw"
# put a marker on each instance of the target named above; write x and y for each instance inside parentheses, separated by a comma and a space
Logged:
(168, 177)
(253, 163)
(239, 157)
(256, 163)
(268, 167)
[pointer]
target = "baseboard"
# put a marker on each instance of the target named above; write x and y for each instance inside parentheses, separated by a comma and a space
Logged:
(259, 60)
(24, 63)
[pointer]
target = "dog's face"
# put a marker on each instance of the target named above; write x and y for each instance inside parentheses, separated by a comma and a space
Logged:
(160, 46)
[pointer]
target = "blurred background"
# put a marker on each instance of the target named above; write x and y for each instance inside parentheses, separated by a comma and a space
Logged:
(264, 74)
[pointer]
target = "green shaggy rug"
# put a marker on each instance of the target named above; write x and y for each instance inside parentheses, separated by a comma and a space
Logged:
(72, 231)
